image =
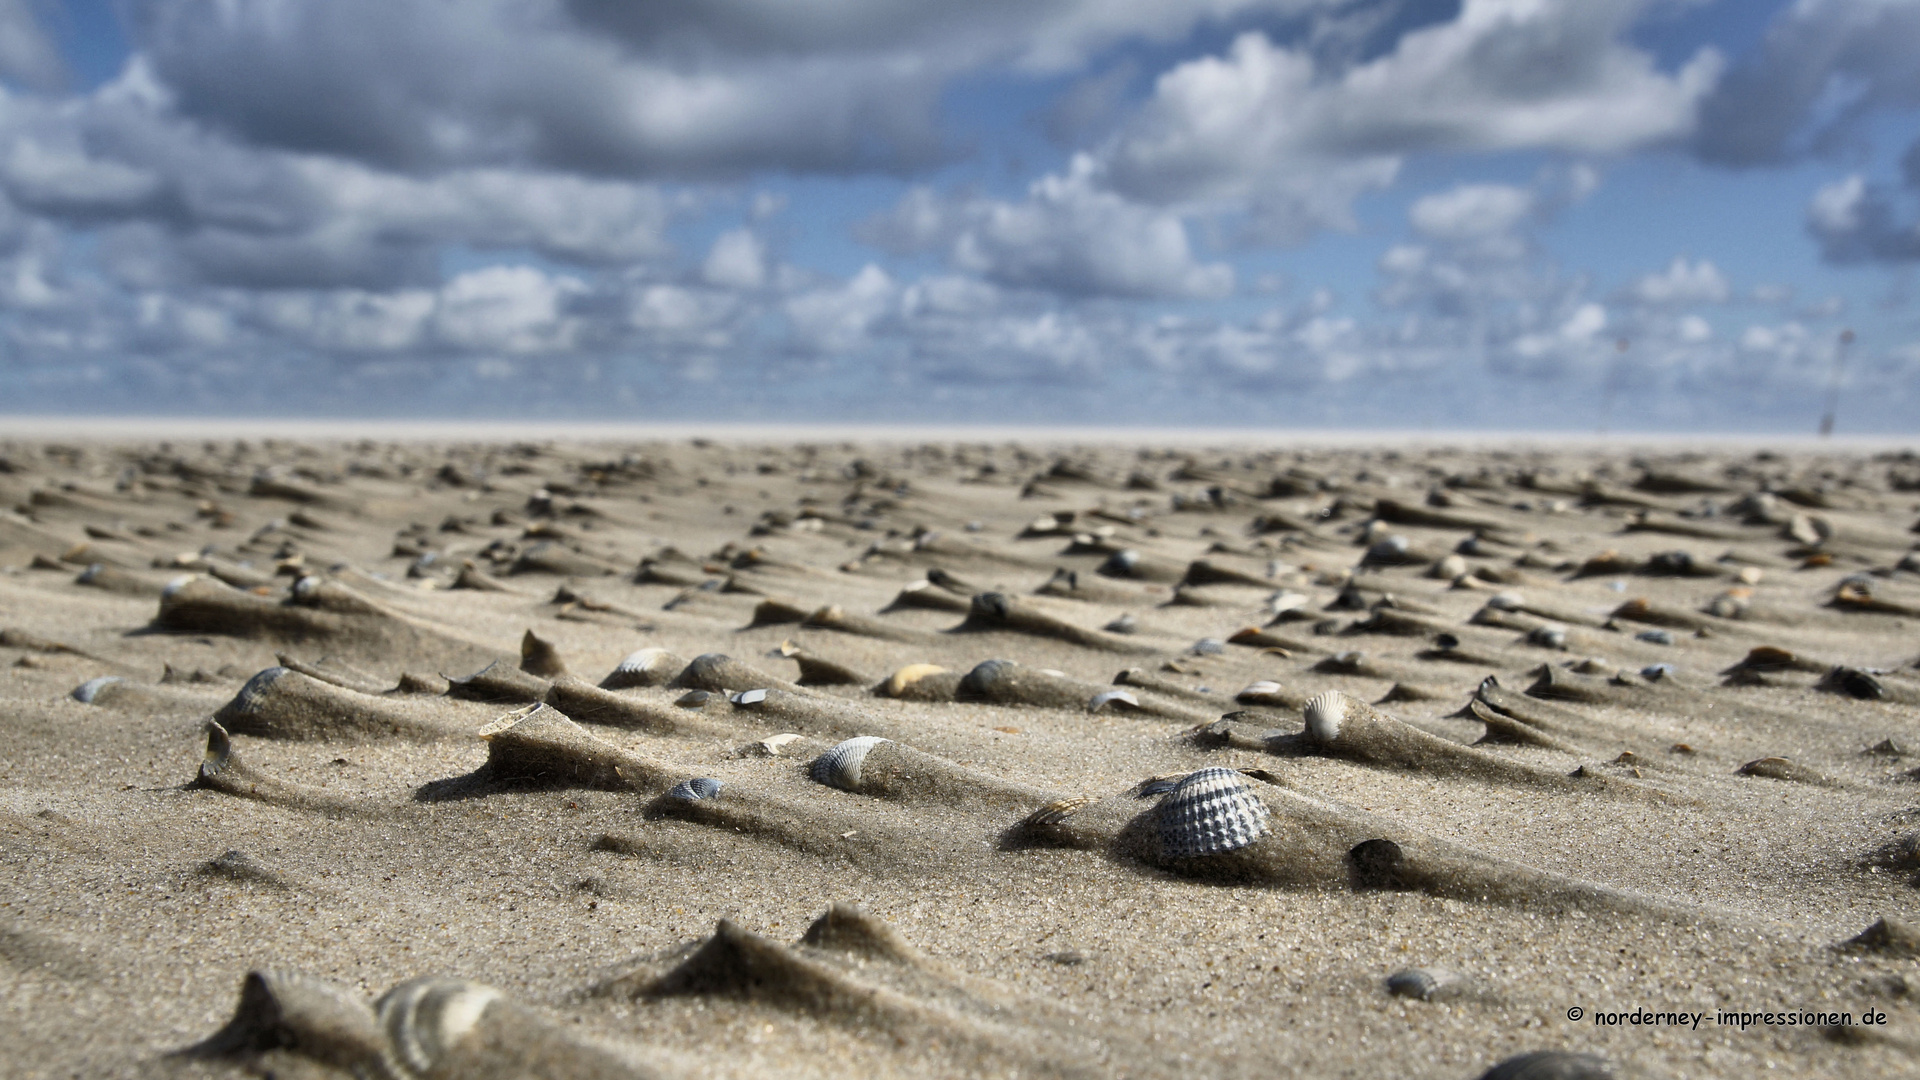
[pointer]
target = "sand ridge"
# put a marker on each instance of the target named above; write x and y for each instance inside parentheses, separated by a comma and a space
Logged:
(532, 759)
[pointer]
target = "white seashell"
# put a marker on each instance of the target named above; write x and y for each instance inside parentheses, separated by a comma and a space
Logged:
(749, 697)
(1506, 601)
(84, 693)
(1211, 812)
(1110, 697)
(639, 669)
(1324, 713)
(840, 766)
(178, 583)
(306, 587)
(426, 1018)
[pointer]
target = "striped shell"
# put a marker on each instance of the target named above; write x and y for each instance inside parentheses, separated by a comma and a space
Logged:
(255, 686)
(426, 1018)
(639, 669)
(1211, 812)
(696, 789)
(1056, 811)
(840, 766)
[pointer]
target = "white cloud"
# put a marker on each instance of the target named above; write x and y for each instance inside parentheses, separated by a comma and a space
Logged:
(737, 260)
(1857, 221)
(504, 309)
(1264, 125)
(1682, 282)
(1471, 212)
(1069, 236)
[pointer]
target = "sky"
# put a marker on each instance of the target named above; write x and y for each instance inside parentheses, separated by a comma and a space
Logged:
(1425, 215)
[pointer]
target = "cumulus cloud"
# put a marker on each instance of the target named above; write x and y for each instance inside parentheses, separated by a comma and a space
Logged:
(1682, 282)
(661, 90)
(1857, 221)
(1265, 124)
(1068, 236)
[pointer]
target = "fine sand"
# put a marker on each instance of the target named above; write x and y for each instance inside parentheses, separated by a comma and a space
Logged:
(356, 758)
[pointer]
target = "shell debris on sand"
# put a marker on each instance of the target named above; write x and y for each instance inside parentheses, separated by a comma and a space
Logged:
(1201, 759)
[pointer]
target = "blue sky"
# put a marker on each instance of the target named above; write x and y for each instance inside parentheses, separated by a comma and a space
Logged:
(1431, 214)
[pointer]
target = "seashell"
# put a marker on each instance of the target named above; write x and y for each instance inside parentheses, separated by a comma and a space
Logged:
(1208, 647)
(696, 789)
(1552, 1065)
(1446, 641)
(1282, 602)
(644, 667)
(694, 699)
(1549, 636)
(1158, 785)
(1112, 697)
(1125, 624)
(840, 766)
(178, 583)
(306, 588)
(1390, 549)
(1655, 637)
(1427, 984)
(1121, 563)
(1847, 680)
(426, 1018)
(85, 692)
(1675, 563)
(1210, 812)
(771, 746)
(749, 697)
(1055, 812)
(1506, 601)
(1656, 672)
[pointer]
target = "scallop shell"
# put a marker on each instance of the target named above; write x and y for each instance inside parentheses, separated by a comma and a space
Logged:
(1324, 713)
(638, 670)
(696, 789)
(425, 1018)
(1211, 812)
(1056, 811)
(84, 693)
(840, 766)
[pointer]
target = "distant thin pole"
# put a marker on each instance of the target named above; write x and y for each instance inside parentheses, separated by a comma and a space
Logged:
(1833, 383)
(1609, 384)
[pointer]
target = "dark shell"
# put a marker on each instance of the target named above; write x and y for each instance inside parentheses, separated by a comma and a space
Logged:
(1551, 1065)
(700, 787)
(1211, 812)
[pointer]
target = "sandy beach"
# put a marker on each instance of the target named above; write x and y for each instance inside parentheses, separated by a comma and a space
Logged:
(812, 757)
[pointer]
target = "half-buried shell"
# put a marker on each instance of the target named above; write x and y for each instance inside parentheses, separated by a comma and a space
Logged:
(840, 766)
(1211, 812)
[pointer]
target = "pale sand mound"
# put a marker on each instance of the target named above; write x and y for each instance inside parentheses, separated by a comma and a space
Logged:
(960, 760)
